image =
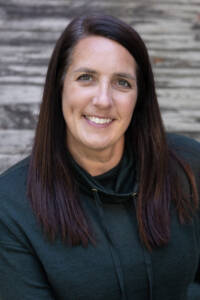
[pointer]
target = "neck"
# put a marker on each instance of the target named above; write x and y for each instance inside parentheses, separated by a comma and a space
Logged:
(97, 162)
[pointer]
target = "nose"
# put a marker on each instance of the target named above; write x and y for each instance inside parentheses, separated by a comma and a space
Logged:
(103, 97)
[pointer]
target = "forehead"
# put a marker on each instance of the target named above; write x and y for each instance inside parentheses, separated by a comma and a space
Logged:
(100, 52)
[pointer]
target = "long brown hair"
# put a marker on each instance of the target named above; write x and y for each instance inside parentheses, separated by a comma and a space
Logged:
(51, 187)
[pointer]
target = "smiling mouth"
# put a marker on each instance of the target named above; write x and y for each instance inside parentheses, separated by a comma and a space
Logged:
(98, 120)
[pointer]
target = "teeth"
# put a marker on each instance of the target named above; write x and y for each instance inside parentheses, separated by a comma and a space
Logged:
(99, 120)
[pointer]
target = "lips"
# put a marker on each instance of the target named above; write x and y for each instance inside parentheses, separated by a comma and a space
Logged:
(98, 120)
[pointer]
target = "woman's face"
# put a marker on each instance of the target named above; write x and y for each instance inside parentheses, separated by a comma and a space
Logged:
(99, 94)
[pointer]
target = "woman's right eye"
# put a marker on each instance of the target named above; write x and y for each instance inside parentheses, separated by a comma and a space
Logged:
(85, 77)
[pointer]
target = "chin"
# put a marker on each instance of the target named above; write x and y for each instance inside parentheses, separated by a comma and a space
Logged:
(98, 145)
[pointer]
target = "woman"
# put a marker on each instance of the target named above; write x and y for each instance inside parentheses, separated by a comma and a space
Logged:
(106, 207)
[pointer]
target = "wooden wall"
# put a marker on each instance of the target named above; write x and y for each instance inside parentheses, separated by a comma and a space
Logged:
(29, 30)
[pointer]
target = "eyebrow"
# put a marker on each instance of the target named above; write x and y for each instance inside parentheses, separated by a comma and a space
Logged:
(85, 70)
(125, 75)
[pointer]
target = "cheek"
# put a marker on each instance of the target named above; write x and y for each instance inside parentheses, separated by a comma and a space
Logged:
(68, 101)
(127, 107)
(67, 107)
(76, 98)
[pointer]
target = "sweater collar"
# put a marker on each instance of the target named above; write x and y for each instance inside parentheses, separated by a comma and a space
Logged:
(114, 186)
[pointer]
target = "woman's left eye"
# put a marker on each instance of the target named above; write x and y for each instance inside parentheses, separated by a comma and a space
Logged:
(123, 83)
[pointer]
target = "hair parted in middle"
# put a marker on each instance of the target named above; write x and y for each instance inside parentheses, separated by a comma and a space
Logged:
(51, 187)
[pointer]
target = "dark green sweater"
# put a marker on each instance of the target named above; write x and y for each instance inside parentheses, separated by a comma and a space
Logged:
(119, 267)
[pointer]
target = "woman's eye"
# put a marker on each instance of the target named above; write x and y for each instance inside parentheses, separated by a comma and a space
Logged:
(85, 77)
(124, 83)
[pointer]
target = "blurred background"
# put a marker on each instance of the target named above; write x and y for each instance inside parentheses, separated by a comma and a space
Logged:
(30, 28)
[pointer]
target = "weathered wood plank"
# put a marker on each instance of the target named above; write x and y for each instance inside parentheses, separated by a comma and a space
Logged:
(29, 30)
(13, 140)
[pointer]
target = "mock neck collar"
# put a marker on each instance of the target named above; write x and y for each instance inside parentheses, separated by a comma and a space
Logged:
(119, 183)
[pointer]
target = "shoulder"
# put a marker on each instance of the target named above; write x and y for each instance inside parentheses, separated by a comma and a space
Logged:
(14, 178)
(183, 143)
(187, 148)
(15, 169)
(188, 151)
(17, 220)
(18, 224)
(13, 190)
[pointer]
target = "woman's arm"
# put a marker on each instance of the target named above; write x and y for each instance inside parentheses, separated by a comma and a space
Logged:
(194, 291)
(189, 150)
(21, 274)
